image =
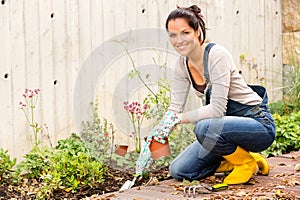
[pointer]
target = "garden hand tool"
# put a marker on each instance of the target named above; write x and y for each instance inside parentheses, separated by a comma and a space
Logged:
(158, 133)
(128, 184)
(208, 189)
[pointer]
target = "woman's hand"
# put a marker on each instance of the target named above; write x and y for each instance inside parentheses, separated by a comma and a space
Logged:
(166, 125)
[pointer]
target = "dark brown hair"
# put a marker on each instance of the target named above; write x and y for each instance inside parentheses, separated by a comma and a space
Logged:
(193, 16)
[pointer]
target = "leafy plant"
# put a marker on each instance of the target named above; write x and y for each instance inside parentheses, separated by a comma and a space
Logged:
(277, 107)
(72, 144)
(98, 136)
(36, 163)
(68, 167)
(287, 134)
(6, 167)
(71, 171)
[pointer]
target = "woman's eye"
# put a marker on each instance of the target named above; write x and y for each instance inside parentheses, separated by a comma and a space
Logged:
(185, 33)
(172, 35)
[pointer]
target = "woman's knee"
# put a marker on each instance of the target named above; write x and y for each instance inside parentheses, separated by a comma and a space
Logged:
(201, 129)
(174, 170)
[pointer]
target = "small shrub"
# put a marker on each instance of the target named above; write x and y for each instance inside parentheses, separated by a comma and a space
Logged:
(98, 136)
(36, 163)
(287, 134)
(68, 167)
(72, 172)
(6, 167)
(277, 107)
(72, 167)
(73, 145)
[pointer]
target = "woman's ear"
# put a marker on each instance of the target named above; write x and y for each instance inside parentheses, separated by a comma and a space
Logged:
(198, 32)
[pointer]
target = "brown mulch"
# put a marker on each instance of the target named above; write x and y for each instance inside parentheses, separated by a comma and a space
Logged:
(113, 180)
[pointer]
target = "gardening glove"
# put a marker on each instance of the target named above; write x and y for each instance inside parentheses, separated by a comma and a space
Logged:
(159, 133)
(165, 127)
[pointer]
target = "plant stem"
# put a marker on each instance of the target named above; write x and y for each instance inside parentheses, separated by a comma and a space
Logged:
(135, 70)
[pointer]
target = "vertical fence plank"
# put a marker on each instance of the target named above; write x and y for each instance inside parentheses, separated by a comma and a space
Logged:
(61, 45)
(46, 17)
(72, 56)
(20, 134)
(32, 65)
(256, 42)
(273, 42)
(6, 78)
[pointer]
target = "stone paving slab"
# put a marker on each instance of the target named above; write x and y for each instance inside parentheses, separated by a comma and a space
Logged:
(283, 182)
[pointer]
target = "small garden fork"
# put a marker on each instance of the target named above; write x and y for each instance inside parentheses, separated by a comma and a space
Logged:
(208, 189)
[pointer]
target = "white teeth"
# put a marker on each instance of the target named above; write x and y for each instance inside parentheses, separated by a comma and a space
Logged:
(181, 47)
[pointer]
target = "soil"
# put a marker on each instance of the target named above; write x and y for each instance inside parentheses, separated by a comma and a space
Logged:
(113, 181)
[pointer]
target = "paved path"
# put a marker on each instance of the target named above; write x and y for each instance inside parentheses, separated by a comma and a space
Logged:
(283, 182)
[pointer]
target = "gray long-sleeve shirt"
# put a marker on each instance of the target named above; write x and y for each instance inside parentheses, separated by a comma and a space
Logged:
(226, 84)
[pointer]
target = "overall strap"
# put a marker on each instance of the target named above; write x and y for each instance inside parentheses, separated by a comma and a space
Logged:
(205, 61)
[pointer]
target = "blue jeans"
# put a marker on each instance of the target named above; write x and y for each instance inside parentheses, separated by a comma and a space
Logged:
(253, 129)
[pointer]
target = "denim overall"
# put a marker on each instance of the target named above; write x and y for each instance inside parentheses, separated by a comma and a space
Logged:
(250, 127)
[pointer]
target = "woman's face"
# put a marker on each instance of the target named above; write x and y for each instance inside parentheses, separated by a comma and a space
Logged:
(183, 37)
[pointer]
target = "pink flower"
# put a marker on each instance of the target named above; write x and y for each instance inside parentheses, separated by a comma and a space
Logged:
(145, 106)
(21, 105)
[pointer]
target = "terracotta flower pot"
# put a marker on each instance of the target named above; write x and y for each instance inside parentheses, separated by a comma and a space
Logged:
(159, 150)
(121, 150)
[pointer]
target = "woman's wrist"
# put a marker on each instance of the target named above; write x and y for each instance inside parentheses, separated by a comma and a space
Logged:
(183, 118)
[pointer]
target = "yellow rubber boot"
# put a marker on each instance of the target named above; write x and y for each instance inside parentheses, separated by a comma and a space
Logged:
(262, 163)
(225, 166)
(244, 166)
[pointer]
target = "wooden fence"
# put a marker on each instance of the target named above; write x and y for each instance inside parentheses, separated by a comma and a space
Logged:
(71, 50)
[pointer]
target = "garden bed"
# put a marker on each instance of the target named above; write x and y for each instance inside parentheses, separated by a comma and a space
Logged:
(113, 181)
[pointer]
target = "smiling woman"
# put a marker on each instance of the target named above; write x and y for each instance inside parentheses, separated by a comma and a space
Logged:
(235, 118)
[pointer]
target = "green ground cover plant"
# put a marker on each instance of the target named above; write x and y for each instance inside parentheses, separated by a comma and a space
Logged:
(287, 134)
(7, 172)
(68, 167)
